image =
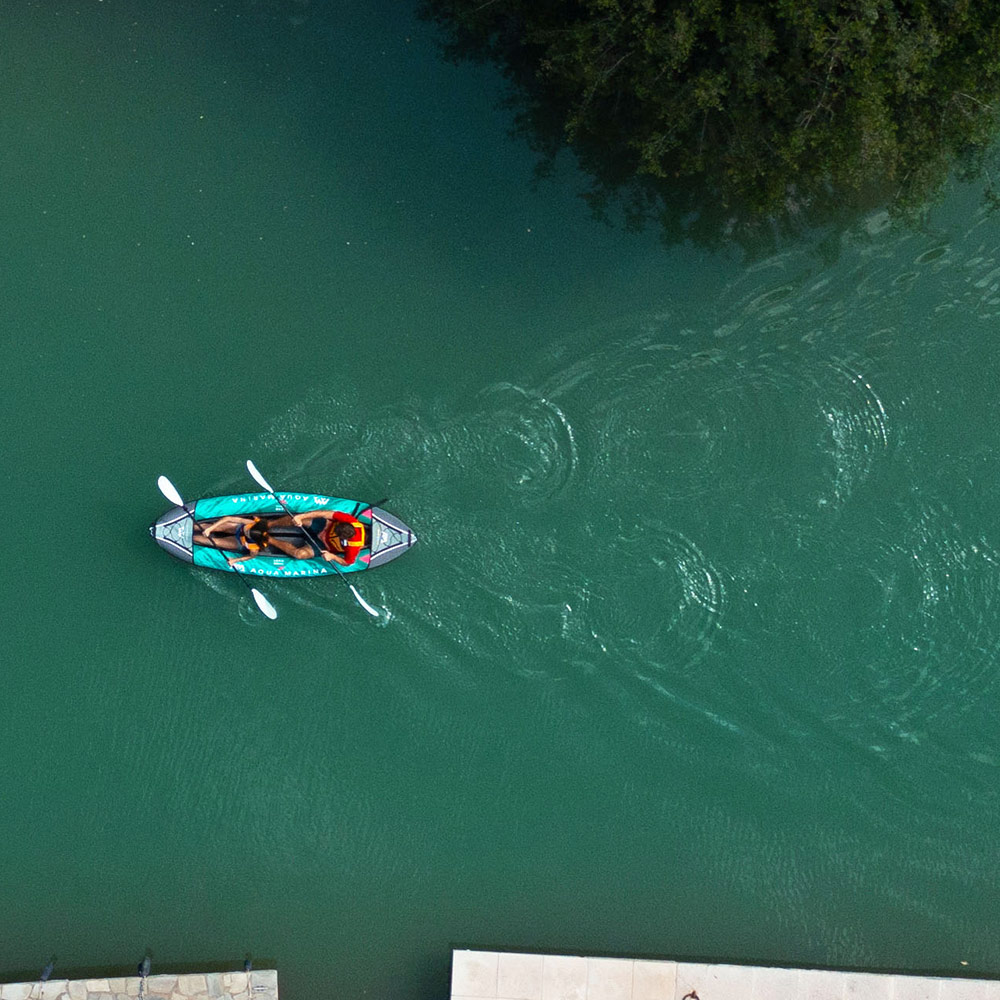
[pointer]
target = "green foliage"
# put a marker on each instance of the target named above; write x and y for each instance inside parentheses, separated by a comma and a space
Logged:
(766, 100)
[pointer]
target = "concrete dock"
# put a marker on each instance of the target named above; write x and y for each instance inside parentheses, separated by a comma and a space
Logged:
(262, 985)
(492, 975)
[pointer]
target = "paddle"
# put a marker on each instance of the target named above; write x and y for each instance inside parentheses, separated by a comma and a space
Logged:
(42, 979)
(263, 483)
(168, 489)
(143, 967)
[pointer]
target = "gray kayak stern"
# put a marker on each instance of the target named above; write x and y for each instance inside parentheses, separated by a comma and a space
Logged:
(173, 532)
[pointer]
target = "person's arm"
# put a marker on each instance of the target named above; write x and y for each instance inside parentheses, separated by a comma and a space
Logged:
(300, 519)
(290, 549)
(333, 557)
(311, 515)
(220, 523)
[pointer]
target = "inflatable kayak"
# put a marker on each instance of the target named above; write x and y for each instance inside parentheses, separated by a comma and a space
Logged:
(381, 538)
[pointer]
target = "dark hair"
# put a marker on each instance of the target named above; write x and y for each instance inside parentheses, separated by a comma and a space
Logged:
(257, 533)
(345, 531)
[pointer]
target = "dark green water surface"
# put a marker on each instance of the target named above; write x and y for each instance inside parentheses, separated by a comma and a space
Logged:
(698, 653)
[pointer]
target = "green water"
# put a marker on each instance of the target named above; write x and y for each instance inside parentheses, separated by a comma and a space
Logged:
(697, 655)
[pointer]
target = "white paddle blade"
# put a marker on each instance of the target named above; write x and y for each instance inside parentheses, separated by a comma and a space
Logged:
(266, 607)
(168, 489)
(255, 472)
(362, 601)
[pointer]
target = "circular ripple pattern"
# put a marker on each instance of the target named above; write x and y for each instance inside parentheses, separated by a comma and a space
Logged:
(942, 617)
(670, 425)
(660, 610)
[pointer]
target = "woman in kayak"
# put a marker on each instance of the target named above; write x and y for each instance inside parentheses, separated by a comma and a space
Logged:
(249, 535)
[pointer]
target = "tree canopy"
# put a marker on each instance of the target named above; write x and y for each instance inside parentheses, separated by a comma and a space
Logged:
(761, 101)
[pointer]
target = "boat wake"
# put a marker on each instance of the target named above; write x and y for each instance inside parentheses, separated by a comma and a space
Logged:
(648, 515)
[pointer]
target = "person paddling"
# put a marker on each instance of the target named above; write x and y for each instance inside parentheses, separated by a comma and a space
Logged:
(341, 535)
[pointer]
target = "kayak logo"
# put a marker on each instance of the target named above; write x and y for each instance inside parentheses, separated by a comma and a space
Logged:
(280, 571)
(246, 498)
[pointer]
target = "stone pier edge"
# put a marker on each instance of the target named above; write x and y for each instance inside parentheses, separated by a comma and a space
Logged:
(498, 975)
(256, 985)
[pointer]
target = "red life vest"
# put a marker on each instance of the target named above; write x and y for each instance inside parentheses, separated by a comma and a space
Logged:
(353, 545)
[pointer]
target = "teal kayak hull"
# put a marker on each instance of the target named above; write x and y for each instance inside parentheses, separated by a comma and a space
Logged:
(386, 536)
